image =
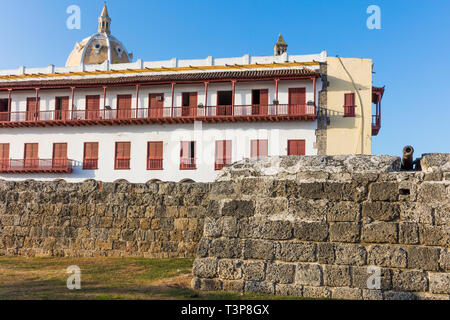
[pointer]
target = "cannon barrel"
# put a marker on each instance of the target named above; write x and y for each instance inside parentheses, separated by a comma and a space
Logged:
(407, 160)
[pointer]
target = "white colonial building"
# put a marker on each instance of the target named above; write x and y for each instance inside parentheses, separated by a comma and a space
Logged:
(104, 117)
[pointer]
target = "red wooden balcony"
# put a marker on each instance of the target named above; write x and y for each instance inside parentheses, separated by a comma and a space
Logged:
(36, 166)
(159, 115)
(187, 164)
(154, 164)
(376, 124)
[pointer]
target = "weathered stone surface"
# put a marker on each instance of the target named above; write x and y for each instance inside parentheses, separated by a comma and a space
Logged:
(444, 260)
(295, 251)
(380, 232)
(383, 191)
(432, 191)
(337, 276)
(288, 289)
(226, 248)
(409, 281)
(238, 208)
(259, 249)
(254, 270)
(316, 292)
(344, 211)
(345, 232)
(309, 275)
(439, 282)
(229, 269)
(205, 268)
(347, 293)
(259, 287)
(325, 253)
(367, 278)
(380, 211)
(408, 233)
(387, 256)
(280, 273)
(423, 258)
(311, 231)
(350, 254)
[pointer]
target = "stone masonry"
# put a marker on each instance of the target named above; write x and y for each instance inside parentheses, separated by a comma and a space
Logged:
(321, 226)
(156, 220)
(315, 226)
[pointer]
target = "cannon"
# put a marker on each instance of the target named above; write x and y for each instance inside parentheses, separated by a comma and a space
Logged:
(407, 160)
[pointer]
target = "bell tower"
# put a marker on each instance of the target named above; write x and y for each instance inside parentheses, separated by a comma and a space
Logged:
(280, 47)
(104, 22)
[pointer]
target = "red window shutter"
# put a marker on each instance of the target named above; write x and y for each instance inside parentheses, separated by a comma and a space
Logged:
(60, 151)
(155, 155)
(187, 155)
(193, 99)
(92, 107)
(90, 161)
(123, 155)
(4, 155)
(30, 156)
(264, 97)
(349, 105)
(296, 147)
(223, 153)
(259, 148)
(124, 106)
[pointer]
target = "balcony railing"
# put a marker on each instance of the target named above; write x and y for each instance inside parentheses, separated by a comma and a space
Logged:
(154, 164)
(36, 166)
(209, 113)
(122, 164)
(90, 164)
(376, 124)
(187, 164)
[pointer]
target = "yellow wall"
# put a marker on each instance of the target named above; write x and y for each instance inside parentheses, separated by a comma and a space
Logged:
(349, 135)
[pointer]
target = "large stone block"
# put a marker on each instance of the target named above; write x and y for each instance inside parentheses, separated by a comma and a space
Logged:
(432, 192)
(444, 260)
(383, 191)
(271, 206)
(408, 233)
(229, 269)
(350, 254)
(345, 232)
(434, 235)
(308, 210)
(309, 275)
(347, 293)
(280, 272)
(254, 270)
(293, 251)
(345, 191)
(288, 290)
(325, 253)
(205, 268)
(337, 276)
(238, 208)
(343, 211)
(387, 256)
(316, 292)
(226, 248)
(409, 280)
(371, 278)
(380, 211)
(311, 190)
(259, 249)
(260, 287)
(439, 282)
(380, 232)
(423, 258)
(311, 231)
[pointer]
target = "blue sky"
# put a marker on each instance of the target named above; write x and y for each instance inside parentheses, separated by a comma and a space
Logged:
(410, 52)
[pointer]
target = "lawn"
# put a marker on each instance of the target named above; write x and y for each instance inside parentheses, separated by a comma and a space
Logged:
(103, 278)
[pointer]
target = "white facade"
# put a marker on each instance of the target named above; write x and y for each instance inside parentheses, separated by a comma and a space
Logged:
(205, 134)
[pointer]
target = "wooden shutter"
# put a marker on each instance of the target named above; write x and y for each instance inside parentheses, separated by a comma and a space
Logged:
(33, 109)
(193, 99)
(349, 99)
(90, 160)
(59, 155)
(296, 147)
(4, 155)
(31, 155)
(124, 106)
(264, 101)
(155, 155)
(156, 105)
(123, 155)
(297, 101)
(92, 107)
(259, 148)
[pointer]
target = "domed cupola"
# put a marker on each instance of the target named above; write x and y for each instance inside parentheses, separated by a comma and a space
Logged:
(99, 47)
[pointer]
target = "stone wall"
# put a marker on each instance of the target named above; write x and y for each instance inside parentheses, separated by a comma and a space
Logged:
(316, 227)
(157, 220)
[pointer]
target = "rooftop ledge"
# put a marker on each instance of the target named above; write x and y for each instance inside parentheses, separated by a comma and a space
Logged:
(172, 65)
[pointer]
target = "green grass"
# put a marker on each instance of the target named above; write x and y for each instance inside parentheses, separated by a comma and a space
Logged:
(105, 279)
